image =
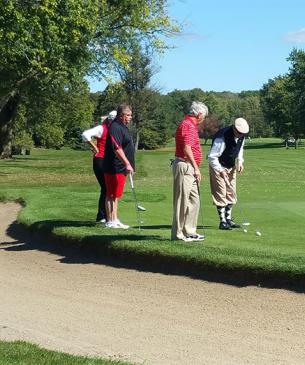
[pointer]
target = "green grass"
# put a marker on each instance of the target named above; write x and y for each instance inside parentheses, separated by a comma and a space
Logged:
(23, 353)
(60, 195)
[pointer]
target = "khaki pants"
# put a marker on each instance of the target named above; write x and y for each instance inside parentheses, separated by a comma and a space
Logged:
(186, 200)
(221, 193)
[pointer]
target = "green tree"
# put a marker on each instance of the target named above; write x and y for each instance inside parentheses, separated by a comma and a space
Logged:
(296, 87)
(252, 112)
(276, 101)
(22, 138)
(155, 130)
(135, 79)
(283, 99)
(69, 109)
(181, 101)
(49, 42)
(76, 112)
(113, 95)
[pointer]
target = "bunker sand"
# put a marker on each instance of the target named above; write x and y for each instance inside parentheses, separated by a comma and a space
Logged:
(72, 303)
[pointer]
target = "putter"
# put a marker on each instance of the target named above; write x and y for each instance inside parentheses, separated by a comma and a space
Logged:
(245, 220)
(138, 207)
(201, 214)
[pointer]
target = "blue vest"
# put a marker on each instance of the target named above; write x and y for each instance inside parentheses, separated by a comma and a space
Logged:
(231, 151)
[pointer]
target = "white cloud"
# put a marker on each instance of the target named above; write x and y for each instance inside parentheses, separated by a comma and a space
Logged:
(296, 37)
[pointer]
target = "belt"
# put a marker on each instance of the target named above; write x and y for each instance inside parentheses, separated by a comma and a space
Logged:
(182, 159)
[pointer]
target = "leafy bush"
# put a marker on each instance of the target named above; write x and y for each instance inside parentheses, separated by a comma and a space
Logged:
(151, 139)
(22, 143)
(50, 135)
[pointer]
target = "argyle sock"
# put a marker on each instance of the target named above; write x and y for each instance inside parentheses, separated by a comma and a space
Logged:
(228, 210)
(221, 212)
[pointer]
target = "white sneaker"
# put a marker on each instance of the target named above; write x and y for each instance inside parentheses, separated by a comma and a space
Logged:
(183, 238)
(119, 224)
(109, 224)
(187, 239)
(196, 237)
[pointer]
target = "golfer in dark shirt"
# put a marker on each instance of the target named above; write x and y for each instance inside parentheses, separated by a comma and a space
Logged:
(119, 161)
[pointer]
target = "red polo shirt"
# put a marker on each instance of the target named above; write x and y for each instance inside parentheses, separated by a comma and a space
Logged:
(187, 134)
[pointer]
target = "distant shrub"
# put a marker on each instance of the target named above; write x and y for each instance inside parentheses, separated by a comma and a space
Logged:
(22, 143)
(50, 135)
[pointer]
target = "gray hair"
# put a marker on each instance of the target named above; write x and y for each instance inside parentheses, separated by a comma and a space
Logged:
(122, 107)
(198, 107)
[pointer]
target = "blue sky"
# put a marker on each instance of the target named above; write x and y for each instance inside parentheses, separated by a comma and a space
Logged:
(229, 45)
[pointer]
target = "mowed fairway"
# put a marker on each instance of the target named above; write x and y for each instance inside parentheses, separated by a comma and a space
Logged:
(60, 194)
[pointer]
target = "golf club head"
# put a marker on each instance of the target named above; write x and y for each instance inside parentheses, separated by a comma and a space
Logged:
(140, 208)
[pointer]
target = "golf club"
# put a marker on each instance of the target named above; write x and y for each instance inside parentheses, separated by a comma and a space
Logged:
(138, 207)
(198, 189)
(244, 219)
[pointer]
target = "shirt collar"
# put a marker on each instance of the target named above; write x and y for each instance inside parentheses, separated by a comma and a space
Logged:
(190, 118)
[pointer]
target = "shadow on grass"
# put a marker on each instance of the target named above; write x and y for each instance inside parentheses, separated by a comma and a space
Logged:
(264, 145)
(168, 227)
(21, 159)
(101, 238)
(98, 249)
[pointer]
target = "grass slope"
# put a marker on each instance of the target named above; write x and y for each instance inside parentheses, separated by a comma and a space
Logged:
(60, 195)
(23, 353)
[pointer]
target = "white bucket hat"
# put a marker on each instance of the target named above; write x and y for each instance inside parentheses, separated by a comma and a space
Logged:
(112, 115)
(241, 125)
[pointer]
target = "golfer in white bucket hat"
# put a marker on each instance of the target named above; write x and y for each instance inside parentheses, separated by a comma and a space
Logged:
(225, 158)
(96, 138)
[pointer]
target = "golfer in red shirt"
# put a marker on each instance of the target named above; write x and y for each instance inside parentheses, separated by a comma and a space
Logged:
(187, 176)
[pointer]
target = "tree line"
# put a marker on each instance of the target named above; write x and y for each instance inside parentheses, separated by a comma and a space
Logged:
(48, 48)
(283, 99)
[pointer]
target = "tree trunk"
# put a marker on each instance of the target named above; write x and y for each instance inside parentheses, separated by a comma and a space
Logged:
(8, 110)
(7, 115)
(136, 146)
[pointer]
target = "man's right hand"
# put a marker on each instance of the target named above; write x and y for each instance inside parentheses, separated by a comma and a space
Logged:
(224, 175)
(197, 175)
(129, 169)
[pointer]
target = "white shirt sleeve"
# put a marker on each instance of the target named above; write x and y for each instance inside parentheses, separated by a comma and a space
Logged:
(96, 132)
(214, 154)
(240, 157)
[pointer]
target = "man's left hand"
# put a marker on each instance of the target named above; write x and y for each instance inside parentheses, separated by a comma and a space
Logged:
(240, 168)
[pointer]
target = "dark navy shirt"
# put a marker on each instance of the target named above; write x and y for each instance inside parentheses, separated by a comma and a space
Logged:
(118, 137)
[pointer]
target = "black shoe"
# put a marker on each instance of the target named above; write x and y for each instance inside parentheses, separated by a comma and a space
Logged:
(232, 224)
(225, 226)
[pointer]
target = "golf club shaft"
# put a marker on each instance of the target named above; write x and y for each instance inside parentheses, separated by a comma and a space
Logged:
(198, 189)
(135, 200)
(235, 198)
